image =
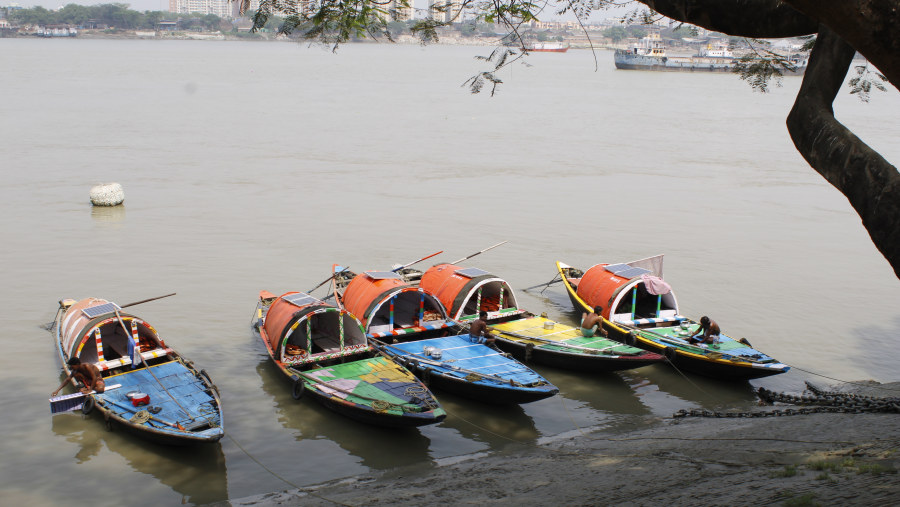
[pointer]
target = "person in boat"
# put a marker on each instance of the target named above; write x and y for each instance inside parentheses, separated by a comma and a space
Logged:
(592, 323)
(479, 332)
(88, 374)
(710, 331)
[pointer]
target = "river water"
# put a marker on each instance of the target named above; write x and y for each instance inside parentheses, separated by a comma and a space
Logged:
(250, 166)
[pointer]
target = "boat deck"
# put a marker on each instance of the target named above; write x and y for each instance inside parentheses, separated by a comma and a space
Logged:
(362, 381)
(461, 358)
(560, 337)
(729, 348)
(175, 379)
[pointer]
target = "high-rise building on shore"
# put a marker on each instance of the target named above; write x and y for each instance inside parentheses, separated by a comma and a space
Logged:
(221, 8)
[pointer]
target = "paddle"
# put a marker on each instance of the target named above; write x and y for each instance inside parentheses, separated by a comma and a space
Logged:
(415, 262)
(146, 300)
(481, 252)
(556, 279)
(334, 274)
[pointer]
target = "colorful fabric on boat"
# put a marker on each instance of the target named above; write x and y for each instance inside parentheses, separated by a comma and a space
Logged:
(655, 285)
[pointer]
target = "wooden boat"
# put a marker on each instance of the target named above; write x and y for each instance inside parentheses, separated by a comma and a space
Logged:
(467, 291)
(641, 309)
(183, 404)
(412, 325)
(324, 352)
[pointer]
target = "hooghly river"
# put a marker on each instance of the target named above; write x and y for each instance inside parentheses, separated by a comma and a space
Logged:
(250, 166)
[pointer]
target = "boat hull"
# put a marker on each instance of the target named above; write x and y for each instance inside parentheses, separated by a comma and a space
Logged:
(473, 371)
(513, 337)
(350, 379)
(185, 404)
(725, 362)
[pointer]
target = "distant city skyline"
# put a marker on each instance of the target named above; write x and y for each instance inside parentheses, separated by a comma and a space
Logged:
(163, 5)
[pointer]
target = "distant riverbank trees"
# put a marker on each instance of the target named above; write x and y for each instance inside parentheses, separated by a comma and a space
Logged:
(113, 16)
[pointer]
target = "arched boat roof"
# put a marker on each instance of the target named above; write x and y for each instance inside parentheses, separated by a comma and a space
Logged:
(383, 302)
(82, 322)
(466, 291)
(629, 292)
(289, 311)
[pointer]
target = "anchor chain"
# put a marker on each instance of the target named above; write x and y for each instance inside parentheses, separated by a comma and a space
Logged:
(828, 402)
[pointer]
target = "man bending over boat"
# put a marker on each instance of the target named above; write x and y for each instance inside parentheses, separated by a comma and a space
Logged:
(479, 331)
(710, 331)
(592, 323)
(88, 374)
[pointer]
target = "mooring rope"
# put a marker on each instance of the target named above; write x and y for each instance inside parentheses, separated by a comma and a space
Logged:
(278, 476)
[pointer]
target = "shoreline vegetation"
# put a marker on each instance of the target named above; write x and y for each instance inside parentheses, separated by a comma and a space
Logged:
(813, 459)
(448, 39)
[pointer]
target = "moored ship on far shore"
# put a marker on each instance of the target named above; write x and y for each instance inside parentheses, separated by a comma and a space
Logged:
(650, 54)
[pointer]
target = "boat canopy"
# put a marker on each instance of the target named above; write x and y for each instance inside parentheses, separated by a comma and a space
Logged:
(310, 325)
(466, 291)
(91, 331)
(385, 303)
(629, 292)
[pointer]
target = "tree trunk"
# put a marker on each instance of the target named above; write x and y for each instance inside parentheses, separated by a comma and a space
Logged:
(869, 182)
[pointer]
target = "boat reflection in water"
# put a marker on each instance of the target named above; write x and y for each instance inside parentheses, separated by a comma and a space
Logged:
(493, 425)
(197, 473)
(374, 447)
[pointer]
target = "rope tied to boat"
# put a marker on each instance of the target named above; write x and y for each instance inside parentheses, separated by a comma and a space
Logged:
(140, 417)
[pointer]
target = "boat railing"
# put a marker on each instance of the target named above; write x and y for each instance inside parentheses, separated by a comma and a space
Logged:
(112, 364)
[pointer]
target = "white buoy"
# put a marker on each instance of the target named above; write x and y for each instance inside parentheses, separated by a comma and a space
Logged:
(107, 194)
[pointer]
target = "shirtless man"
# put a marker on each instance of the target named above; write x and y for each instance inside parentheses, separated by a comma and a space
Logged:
(592, 323)
(478, 330)
(710, 331)
(87, 374)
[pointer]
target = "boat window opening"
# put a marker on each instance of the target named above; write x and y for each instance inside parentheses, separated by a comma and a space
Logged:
(494, 297)
(646, 305)
(407, 307)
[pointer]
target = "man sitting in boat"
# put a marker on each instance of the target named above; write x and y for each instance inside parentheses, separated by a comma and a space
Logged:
(478, 330)
(591, 323)
(88, 374)
(710, 332)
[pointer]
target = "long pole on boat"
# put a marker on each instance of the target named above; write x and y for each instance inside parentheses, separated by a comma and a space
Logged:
(146, 300)
(481, 252)
(415, 262)
(556, 279)
(333, 274)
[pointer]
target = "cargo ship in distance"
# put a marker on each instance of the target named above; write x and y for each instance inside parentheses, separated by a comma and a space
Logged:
(650, 54)
(547, 47)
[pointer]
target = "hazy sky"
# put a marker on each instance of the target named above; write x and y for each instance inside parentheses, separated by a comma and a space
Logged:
(163, 5)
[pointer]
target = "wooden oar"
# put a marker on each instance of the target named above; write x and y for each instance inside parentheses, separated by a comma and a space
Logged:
(556, 279)
(481, 252)
(333, 274)
(146, 300)
(415, 262)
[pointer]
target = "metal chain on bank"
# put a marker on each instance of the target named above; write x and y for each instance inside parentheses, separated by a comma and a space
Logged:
(821, 401)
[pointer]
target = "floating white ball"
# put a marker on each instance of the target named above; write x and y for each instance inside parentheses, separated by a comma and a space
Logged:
(108, 194)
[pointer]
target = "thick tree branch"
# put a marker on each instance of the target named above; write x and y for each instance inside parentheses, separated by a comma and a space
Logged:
(869, 182)
(745, 18)
(872, 27)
